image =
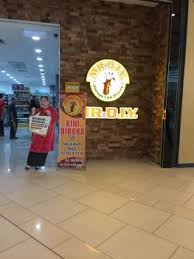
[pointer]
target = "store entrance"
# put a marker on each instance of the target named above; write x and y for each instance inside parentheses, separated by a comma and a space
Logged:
(29, 69)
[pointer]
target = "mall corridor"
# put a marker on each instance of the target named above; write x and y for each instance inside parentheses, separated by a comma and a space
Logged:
(115, 209)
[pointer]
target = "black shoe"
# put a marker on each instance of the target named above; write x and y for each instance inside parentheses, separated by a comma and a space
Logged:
(37, 168)
(27, 167)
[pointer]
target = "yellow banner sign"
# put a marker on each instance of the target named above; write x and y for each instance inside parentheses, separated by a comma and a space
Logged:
(72, 131)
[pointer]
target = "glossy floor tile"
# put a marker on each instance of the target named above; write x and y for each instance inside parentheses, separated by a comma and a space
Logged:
(144, 217)
(104, 201)
(92, 226)
(133, 243)
(10, 235)
(116, 209)
(47, 233)
(76, 249)
(58, 209)
(179, 231)
(29, 249)
(183, 253)
(16, 214)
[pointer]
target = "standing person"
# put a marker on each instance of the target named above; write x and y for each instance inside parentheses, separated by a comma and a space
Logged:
(2, 111)
(33, 105)
(13, 118)
(41, 145)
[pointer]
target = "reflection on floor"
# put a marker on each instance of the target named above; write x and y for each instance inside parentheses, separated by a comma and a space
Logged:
(114, 209)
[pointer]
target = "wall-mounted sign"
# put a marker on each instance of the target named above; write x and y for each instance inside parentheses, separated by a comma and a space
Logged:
(72, 87)
(122, 113)
(108, 80)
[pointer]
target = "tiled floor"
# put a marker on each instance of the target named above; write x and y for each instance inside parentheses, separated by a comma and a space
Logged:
(122, 209)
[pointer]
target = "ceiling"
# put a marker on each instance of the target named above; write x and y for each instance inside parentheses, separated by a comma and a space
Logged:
(18, 56)
(137, 2)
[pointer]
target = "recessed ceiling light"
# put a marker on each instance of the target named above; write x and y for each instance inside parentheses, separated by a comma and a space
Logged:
(11, 77)
(38, 50)
(3, 71)
(36, 38)
(41, 70)
(173, 14)
(7, 74)
(40, 65)
(39, 58)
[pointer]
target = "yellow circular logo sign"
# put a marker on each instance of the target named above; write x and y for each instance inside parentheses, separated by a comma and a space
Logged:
(108, 80)
(72, 105)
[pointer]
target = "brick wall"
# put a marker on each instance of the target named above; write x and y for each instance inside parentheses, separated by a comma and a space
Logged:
(93, 30)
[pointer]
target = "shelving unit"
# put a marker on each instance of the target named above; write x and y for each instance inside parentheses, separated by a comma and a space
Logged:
(6, 100)
(22, 96)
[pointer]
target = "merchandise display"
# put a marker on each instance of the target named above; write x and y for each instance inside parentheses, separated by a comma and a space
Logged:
(22, 95)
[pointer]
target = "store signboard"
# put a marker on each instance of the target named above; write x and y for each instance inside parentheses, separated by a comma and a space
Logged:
(123, 113)
(72, 87)
(72, 131)
(108, 80)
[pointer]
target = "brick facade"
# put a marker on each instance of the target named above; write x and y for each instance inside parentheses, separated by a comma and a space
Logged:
(94, 30)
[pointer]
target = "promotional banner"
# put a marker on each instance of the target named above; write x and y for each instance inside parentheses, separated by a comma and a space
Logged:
(72, 131)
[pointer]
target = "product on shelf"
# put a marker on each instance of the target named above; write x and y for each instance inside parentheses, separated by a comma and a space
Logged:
(22, 96)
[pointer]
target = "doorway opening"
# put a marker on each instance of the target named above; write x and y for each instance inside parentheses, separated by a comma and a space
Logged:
(29, 69)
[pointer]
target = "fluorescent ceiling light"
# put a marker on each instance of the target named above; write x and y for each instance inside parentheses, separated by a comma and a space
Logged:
(35, 33)
(41, 70)
(38, 50)
(7, 74)
(36, 38)
(11, 77)
(3, 71)
(39, 58)
(40, 65)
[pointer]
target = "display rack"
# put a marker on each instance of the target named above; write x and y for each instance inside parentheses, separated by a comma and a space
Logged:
(22, 96)
(6, 100)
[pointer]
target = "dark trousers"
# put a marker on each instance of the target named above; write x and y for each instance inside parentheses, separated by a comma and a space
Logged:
(13, 129)
(36, 159)
(1, 128)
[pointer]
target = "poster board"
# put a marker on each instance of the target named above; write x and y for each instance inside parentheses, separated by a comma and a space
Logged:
(72, 131)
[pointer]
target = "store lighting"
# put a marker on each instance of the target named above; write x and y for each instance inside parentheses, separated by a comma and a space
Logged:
(38, 50)
(173, 14)
(39, 58)
(41, 70)
(36, 38)
(3, 71)
(40, 65)
(11, 77)
(7, 74)
(38, 226)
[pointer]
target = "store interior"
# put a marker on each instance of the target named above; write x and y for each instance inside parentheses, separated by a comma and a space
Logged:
(29, 65)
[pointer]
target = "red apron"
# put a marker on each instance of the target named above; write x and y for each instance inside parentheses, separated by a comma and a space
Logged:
(45, 144)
